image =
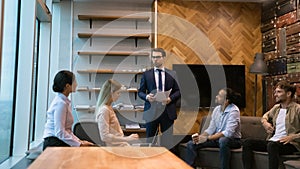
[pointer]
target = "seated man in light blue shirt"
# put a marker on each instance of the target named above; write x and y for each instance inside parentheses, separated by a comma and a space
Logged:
(224, 129)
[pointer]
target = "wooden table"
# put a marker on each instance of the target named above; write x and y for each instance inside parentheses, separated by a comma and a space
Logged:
(108, 158)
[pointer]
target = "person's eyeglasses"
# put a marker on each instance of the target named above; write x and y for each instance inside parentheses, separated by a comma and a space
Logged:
(156, 57)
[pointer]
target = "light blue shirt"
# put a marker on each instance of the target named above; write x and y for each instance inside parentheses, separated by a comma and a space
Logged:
(60, 120)
(227, 122)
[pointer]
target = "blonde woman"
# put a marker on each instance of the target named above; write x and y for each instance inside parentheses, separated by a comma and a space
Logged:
(109, 126)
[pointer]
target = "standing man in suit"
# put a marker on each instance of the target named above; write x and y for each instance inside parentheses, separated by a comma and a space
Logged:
(156, 112)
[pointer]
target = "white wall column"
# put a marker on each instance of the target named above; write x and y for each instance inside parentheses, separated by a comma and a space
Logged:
(61, 43)
(43, 83)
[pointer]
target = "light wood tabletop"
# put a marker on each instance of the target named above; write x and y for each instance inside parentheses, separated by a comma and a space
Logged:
(108, 158)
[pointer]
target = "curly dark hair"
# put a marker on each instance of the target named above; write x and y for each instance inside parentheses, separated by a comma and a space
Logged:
(232, 96)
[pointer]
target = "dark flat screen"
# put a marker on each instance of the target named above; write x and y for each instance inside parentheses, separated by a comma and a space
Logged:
(199, 84)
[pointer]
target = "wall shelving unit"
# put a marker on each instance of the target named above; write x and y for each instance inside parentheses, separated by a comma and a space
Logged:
(107, 45)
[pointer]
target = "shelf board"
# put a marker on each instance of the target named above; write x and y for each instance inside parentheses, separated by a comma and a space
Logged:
(98, 90)
(133, 110)
(42, 12)
(116, 35)
(132, 90)
(84, 108)
(113, 53)
(88, 90)
(92, 108)
(108, 71)
(110, 17)
(140, 130)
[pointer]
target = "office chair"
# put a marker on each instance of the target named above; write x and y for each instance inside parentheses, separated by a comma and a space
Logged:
(88, 130)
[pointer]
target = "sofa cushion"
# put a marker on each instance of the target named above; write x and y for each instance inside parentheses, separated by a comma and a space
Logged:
(261, 159)
(292, 164)
(209, 157)
(251, 127)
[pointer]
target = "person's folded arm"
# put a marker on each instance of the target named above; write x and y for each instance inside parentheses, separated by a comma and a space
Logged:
(175, 94)
(104, 129)
(212, 124)
(142, 89)
(215, 136)
(60, 116)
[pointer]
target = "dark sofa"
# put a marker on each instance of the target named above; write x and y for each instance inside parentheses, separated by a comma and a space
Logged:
(250, 128)
(292, 164)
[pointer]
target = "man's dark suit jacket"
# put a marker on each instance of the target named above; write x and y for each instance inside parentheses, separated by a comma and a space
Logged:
(148, 85)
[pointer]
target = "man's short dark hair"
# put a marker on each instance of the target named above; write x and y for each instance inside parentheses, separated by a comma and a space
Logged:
(286, 87)
(161, 50)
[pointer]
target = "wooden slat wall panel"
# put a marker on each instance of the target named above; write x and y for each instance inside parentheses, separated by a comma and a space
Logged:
(196, 32)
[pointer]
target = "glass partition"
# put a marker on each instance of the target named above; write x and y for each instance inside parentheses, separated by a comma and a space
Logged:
(8, 69)
(34, 81)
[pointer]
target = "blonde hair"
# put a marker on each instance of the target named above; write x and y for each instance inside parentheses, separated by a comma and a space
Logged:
(105, 97)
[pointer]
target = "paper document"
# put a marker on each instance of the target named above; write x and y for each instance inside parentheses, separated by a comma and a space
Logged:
(132, 126)
(82, 106)
(122, 106)
(127, 107)
(161, 96)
